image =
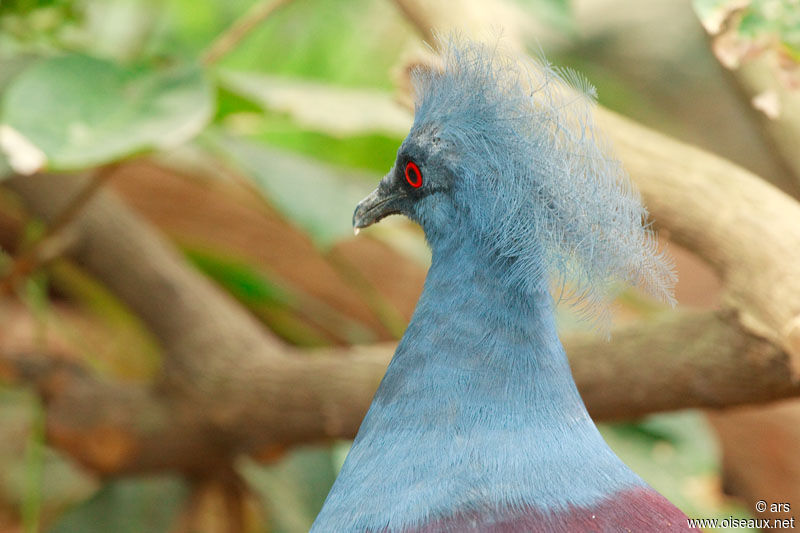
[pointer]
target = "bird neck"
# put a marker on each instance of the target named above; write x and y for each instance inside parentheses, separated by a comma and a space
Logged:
(478, 407)
(485, 345)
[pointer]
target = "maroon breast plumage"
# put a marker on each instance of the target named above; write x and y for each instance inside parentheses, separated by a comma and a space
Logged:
(639, 510)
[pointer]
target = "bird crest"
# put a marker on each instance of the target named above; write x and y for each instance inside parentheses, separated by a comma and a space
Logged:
(536, 180)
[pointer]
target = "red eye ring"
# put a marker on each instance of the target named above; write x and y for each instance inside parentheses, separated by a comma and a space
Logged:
(415, 177)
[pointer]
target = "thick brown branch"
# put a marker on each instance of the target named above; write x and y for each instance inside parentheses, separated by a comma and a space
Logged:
(116, 428)
(250, 390)
(680, 360)
(203, 331)
(744, 227)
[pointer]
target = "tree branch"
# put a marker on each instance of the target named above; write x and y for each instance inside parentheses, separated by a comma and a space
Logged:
(415, 13)
(748, 230)
(231, 37)
(229, 387)
(232, 381)
(52, 241)
(680, 360)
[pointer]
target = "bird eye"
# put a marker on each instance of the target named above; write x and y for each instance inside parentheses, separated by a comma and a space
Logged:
(413, 175)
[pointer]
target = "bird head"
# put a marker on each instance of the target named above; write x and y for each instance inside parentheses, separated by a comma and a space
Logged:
(504, 155)
(420, 186)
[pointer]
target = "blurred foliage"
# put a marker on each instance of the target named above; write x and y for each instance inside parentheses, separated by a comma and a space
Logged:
(276, 305)
(83, 112)
(755, 20)
(337, 54)
(294, 490)
(781, 19)
(554, 13)
(759, 32)
(128, 506)
(285, 178)
(130, 353)
(33, 478)
(303, 109)
(36, 22)
(676, 454)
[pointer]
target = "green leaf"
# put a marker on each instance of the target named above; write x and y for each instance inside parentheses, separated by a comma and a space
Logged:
(128, 506)
(753, 23)
(323, 107)
(318, 198)
(10, 67)
(346, 126)
(554, 13)
(373, 152)
(268, 300)
(292, 314)
(284, 46)
(82, 111)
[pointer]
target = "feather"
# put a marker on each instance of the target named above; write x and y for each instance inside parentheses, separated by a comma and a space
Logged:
(478, 424)
(520, 133)
(641, 509)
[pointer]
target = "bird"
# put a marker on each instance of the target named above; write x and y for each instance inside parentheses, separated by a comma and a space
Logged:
(477, 424)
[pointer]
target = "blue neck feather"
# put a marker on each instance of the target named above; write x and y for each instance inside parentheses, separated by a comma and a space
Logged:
(478, 411)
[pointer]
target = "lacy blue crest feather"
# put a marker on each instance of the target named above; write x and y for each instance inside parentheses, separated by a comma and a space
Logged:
(536, 178)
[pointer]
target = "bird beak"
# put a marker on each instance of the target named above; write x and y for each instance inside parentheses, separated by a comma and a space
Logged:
(380, 203)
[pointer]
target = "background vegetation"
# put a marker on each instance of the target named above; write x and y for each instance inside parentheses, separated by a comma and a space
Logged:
(150, 146)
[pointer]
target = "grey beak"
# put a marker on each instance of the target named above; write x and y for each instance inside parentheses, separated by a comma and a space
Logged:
(380, 203)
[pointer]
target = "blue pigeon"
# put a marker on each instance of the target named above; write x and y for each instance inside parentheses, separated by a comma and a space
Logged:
(477, 424)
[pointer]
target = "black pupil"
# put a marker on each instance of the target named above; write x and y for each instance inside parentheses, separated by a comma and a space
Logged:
(413, 175)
